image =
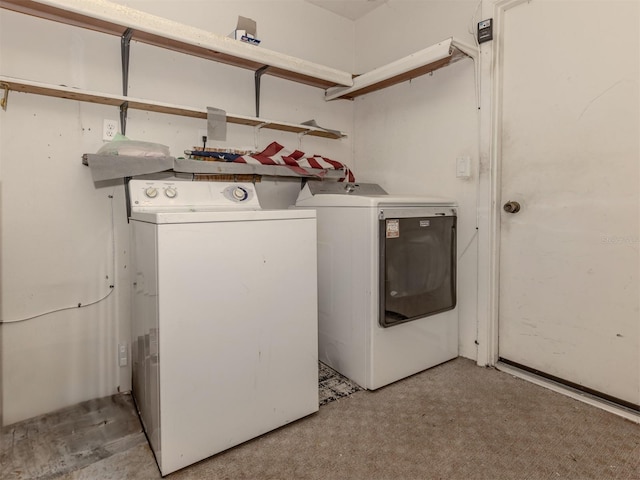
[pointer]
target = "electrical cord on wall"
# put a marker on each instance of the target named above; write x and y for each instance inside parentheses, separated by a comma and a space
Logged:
(62, 309)
(82, 304)
(464, 250)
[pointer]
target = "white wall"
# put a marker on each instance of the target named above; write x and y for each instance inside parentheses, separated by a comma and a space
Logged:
(407, 137)
(62, 235)
(401, 27)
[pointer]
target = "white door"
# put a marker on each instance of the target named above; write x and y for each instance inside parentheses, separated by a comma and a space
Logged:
(569, 259)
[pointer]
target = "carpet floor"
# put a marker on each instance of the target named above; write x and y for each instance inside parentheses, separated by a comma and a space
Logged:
(454, 421)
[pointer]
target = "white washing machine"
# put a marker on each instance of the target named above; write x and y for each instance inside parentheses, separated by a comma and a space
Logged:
(224, 316)
(386, 281)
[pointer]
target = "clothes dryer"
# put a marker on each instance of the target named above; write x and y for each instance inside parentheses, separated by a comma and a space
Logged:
(386, 281)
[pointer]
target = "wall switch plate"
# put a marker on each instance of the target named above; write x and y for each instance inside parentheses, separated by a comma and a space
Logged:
(109, 129)
(463, 167)
(485, 30)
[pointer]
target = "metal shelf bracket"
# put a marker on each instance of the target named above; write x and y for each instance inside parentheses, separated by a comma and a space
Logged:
(5, 96)
(124, 108)
(257, 77)
(125, 48)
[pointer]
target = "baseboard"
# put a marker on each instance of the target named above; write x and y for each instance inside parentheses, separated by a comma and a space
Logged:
(570, 392)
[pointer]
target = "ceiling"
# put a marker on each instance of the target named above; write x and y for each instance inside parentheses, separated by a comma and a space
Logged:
(351, 9)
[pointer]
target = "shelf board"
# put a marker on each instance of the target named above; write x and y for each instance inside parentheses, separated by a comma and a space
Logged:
(114, 19)
(186, 165)
(26, 86)
(109, 167)
(417, 64)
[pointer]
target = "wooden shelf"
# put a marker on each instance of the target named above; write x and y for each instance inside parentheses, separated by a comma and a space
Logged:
(114, 19)
(420, 63)
(26, 86)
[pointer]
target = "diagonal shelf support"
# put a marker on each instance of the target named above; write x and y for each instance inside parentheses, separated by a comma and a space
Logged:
(257, 77)
(125, 48)
(124, 109)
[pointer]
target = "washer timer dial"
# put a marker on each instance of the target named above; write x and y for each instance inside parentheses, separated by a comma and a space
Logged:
(171, 192)
(239, 194)
(151, 192)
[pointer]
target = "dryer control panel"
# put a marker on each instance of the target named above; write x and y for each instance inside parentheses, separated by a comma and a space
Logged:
(339, 188)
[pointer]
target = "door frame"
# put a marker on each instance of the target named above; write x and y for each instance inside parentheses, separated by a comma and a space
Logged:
(490, 184)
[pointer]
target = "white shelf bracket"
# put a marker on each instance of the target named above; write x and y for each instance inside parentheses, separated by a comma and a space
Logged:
(301, 135)
(256, 132)
(469, 50)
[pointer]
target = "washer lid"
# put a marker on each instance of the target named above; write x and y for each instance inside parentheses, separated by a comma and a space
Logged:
(336, 194)
(204, 215)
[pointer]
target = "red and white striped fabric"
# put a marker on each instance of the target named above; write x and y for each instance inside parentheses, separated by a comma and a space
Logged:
(276, 154)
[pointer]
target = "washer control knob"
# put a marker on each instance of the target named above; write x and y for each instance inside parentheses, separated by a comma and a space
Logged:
(151, 192)
(171, 192)
(240, 194)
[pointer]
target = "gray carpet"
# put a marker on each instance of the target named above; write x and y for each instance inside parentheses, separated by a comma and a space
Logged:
(455, 421)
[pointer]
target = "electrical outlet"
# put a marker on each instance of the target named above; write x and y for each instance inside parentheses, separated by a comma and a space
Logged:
(123, 359)
(109, 129)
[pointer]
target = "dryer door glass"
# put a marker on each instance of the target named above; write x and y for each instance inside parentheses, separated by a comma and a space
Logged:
(417, 268)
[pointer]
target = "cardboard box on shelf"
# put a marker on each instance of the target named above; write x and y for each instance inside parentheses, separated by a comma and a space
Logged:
(246, 31)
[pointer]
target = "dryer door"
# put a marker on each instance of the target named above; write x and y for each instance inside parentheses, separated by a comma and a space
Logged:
(417, 267)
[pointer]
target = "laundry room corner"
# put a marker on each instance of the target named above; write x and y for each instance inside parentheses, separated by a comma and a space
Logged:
(411, 137)
(363, 239)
